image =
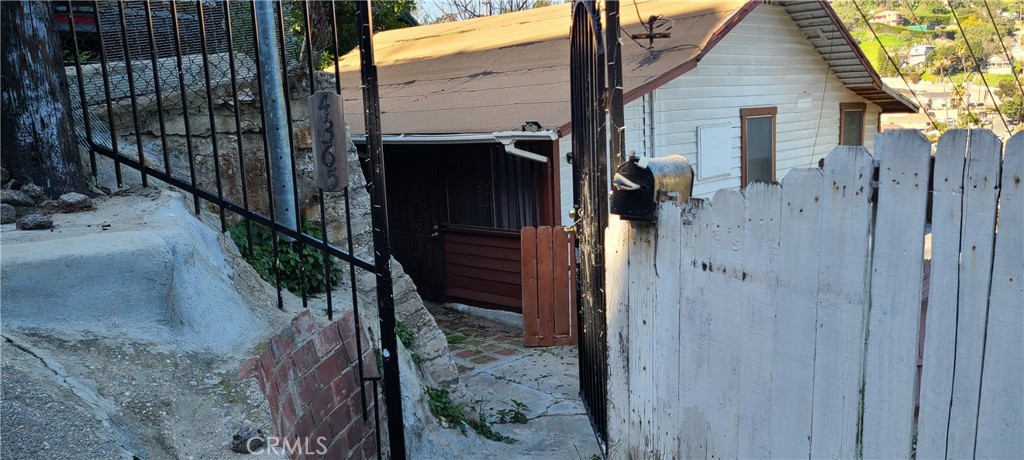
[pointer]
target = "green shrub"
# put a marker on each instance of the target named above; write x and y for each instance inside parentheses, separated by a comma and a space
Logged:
(294, 266)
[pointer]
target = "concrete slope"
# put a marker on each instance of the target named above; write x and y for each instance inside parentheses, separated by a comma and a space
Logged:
(139, 268)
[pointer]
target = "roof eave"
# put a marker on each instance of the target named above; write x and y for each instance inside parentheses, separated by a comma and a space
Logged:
(898, 103)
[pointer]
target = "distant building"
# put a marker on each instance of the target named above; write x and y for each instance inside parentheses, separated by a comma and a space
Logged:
(890, 17)
(919, 54)
(919, 121)
(998, 65)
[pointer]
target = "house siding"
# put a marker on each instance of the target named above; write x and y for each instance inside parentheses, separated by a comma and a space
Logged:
(744, 70)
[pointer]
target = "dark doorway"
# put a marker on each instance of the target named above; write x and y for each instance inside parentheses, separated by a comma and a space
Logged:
(417, 210)
(455, 212)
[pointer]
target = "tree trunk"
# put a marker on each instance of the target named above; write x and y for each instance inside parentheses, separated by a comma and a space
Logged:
(37, 143)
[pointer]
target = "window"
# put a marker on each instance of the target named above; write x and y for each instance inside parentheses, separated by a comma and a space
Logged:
(757, 144)
(851, 123)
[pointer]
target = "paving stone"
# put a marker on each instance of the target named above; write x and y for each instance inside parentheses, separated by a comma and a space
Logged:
(484, 359)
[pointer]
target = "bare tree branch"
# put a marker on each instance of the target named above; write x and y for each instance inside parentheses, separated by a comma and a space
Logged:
(457, 10)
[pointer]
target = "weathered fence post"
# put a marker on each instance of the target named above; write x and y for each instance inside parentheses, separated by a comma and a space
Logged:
(1001, 409)
(617, 295)
(896, 272)
(796, 315)
(38, 143)
(760, 277)
(843, 266)
(963, 223)
(725, 264)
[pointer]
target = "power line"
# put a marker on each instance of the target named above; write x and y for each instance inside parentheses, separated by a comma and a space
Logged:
(821, 108)
(1009, 59)
(917, 22)
(977, 64)
(935, 124)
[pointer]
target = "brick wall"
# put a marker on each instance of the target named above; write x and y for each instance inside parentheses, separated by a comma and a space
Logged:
(310, 376)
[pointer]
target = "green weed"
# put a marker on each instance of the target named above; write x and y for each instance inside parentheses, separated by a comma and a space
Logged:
(297, 265)
(454, 416)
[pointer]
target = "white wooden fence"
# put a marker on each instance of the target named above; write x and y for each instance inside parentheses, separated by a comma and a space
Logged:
(783, 321)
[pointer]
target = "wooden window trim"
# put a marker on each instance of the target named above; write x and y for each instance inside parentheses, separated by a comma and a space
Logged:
(756, 112)
(852, 107)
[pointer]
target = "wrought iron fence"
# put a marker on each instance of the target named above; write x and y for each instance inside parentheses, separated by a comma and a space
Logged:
(589, 166)
(170, 91)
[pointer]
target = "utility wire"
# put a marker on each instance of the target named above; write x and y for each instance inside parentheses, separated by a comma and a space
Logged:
(1009, 58)
(821, 108)
(935, 124)
(917, 22)
(624, 32)
(977, 64)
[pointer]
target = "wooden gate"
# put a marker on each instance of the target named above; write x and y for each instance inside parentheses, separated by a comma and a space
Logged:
(549, 287)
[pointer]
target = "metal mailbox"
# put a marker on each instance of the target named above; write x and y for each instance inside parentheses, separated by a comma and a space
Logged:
(640, 183)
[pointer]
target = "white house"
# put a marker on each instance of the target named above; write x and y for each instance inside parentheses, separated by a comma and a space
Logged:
(745, 90)
(919, 54)
(998, 65)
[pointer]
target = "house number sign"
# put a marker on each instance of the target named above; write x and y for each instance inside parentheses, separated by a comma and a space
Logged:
(330, 147)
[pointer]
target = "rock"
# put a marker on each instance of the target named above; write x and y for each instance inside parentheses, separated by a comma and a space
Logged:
(7, 213)
(22, 211)
(33, 190)
(71, 202)
(247, 440)
(4, 175)
(16, 198)
(35, 222)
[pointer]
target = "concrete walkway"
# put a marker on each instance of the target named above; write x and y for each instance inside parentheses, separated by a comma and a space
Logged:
(497, 370)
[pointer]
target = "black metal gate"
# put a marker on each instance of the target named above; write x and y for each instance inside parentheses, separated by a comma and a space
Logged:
(590, 192)
(175, 91)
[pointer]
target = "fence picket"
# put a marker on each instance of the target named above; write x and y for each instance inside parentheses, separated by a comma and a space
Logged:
(545, 286)
(617, 275)
(725, 265)
(665, 317)
(528, 264)
(796, 320)
(940, 321)
(842, 300)
(1001, 409)
(560, 277)
(759, 277)
(694, 328)
(641, 333)
(795, 312)
(897, 269)
(981, 189)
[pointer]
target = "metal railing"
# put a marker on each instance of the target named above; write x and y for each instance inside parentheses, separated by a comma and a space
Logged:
(172, 90)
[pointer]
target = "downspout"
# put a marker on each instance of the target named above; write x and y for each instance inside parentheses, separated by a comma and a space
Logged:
(510, 147)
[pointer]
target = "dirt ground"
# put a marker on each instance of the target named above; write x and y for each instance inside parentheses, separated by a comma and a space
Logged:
(93, 398)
